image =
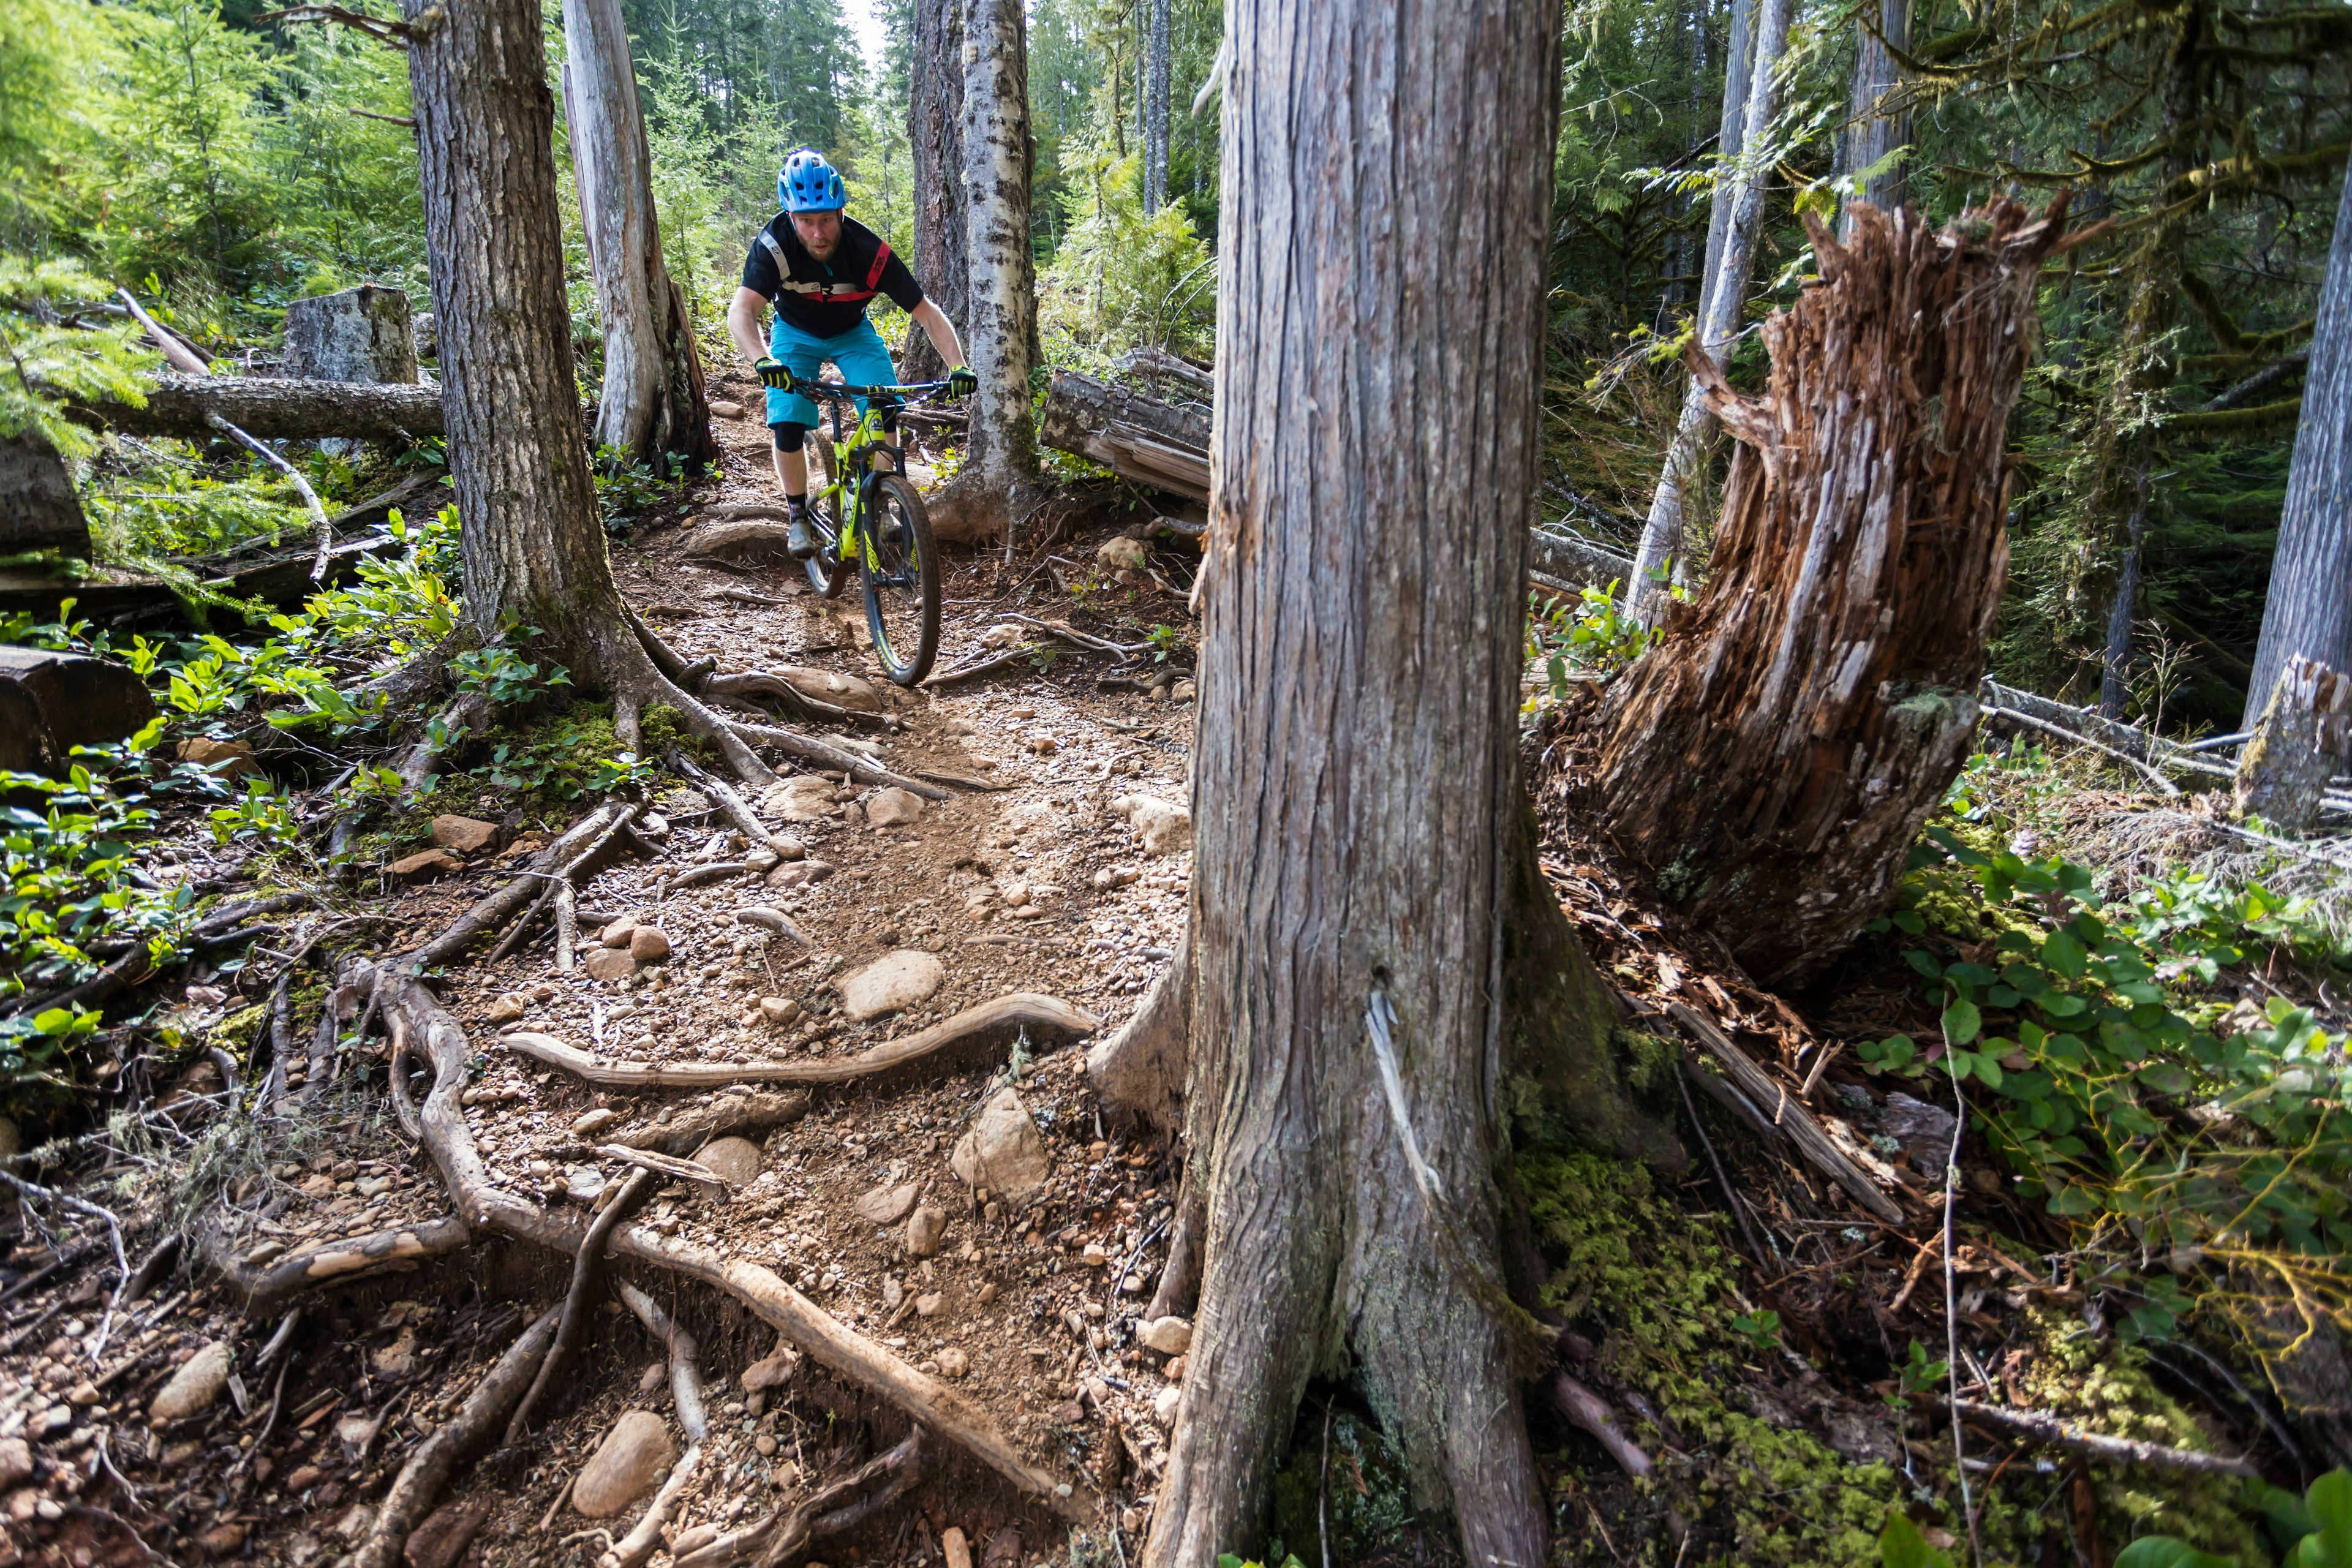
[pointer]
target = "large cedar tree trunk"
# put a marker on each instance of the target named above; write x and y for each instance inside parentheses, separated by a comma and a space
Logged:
(1364, 839)
(999, 328)
(1723, 300)
(1771, 761)
(935, 133)
(532, 550)
(2309, 610)
(652, 398)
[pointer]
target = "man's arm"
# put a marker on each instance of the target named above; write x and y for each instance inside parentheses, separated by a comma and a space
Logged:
(743, 323)
(935, 327)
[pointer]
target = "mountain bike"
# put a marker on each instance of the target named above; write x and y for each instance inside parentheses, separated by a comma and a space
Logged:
(868, 513)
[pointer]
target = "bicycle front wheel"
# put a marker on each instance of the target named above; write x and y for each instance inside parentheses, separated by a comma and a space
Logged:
(827, 571)
(902, 578)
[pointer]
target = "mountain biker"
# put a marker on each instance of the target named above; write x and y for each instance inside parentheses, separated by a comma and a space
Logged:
(820, 269)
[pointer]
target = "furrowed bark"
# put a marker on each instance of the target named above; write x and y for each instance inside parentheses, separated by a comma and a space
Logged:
(652, 397)
(935, 139)
(1723, 303)
(999, 466)
(1346, 932)
(2305, 736)
(2309, 607)
(1769, 762)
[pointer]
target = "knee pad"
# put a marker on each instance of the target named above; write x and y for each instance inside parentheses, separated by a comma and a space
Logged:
(790, 436)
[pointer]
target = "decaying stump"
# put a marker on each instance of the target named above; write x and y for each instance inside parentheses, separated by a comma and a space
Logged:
(1771, 761)
(2305, 735)
(38, 509)
(366, 333)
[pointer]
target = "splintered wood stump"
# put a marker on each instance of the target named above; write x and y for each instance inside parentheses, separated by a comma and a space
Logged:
(1771, 761)
(2305, 735)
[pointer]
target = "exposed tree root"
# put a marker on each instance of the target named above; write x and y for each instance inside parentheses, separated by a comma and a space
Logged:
(437, 1457)
(837, 1510)
(1590, 1411)
(1022, 1009)
(696, 1125)
(269, 1285)
(767, 683)
(737, 810)
(686, 1388)
(1180, 1282)
(587, 1276)
(857, 764)
(567, 857)
(650, 1163)
(1140, 1069)
(847, 1354)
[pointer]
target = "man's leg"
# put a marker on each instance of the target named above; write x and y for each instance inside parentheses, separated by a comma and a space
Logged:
(789, 418)
(865, 361)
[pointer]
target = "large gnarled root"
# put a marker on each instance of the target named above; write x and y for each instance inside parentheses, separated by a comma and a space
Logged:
(727, 1116)
(587, 1276)
(849, 1355)
(563, 857)
(825, 753)
(265, 1287)
(437, 1457)
(1022, 1010)
(1141, 1067)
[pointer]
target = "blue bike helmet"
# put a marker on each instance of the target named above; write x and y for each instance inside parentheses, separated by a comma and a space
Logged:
(807, 184)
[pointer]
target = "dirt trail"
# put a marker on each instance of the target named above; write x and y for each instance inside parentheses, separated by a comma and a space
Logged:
(1028, 1306)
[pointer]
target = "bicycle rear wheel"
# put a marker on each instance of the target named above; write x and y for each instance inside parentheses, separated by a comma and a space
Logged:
(901, 570)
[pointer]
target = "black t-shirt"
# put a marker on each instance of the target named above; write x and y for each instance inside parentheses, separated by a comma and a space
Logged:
(827, 298)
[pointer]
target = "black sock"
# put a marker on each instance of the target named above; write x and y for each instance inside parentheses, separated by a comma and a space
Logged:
(795, 504)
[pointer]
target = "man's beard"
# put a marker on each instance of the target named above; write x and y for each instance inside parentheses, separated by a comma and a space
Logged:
(825, 252)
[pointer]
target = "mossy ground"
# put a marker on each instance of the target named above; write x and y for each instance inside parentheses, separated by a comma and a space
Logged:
(1654, 1288)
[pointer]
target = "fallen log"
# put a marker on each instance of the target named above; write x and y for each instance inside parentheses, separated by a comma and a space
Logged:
(1135, 437)
(271, 406)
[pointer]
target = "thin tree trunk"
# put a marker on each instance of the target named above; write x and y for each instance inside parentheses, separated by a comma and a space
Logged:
(2104, 574)
(935, 135)
(1723, 298)
(1770, 763)
(999, 464)
(1880, 123)
(2309, 609)
(1361, 640)
(652, 400)
(1155, 112)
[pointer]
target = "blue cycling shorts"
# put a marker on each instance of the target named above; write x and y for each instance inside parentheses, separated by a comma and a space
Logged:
(861, 355)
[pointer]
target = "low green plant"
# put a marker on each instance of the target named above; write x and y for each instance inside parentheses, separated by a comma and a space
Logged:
(2115, 1087)
(2314, 1530)
(1592, 633)
(626, 490)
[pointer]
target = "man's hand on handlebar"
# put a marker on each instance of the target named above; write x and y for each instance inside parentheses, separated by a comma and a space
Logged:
(961, 383)
(772, 373)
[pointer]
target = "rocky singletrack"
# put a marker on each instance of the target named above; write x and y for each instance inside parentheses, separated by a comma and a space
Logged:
(908, 977)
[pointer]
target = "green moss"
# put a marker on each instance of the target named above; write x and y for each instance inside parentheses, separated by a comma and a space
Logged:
(1365, 1504)
(662, 728)
(1653, 1288)
(2103, 1385)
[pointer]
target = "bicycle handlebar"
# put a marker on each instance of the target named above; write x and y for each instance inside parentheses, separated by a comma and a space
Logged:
(836, 389)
